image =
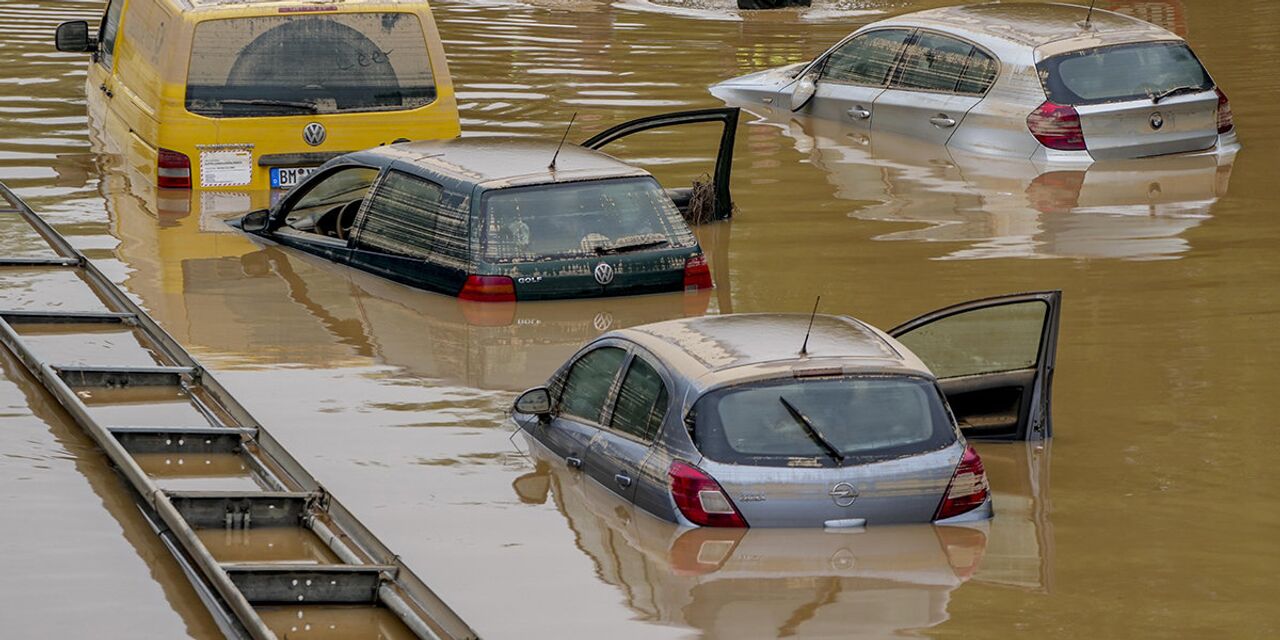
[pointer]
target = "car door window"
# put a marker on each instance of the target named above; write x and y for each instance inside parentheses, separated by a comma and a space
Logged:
(328, 205)
(587, 386)
(107, 33)
(986, 340)
(865, 59)
(978, 74)
(933, 63)
(642, 402)
(417, 218)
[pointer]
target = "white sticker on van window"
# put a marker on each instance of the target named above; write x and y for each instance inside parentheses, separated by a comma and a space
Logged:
(226, 165)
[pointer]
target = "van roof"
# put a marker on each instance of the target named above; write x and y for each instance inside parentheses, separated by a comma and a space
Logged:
(301, 6)
(1033, 24)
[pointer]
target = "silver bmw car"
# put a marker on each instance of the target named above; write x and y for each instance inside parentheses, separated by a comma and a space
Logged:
(791, 420)
(1051, 82)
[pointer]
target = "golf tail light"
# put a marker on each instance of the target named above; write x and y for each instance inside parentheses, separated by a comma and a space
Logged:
(173, 170)
(1057, 126)
(968, 488)
(488, 289)
(697, 274)
(1226, 122)
(700, 498)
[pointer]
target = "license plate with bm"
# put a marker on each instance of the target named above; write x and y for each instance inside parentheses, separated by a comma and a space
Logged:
(287, 177)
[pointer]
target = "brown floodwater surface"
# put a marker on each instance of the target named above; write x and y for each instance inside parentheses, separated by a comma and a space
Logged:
(1160, 518)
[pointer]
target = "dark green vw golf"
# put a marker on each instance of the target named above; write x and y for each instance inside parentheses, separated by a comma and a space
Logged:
(501, 220)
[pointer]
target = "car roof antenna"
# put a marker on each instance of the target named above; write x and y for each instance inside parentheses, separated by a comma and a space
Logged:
(1088, 17)
(804, 348)
(573, 117)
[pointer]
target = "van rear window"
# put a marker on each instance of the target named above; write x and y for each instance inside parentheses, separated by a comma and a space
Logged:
(299, 64)
(1122, 72)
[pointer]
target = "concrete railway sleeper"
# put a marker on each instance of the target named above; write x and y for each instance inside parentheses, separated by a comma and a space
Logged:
(209, 530)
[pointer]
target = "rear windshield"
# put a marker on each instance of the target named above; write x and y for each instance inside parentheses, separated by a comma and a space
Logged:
(288, 65)
(1122, 72)
(863, 418)
(581, 219)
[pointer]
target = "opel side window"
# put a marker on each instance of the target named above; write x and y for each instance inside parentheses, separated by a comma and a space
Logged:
(979, 75)
(933, 63)
(107, 33)
(865, 59)
(642, 402)
(587, 386)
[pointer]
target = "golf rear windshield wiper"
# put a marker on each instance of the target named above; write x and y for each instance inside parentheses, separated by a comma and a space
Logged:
(288, 104)
(1169, 93)
(813, 432)
(635, 246)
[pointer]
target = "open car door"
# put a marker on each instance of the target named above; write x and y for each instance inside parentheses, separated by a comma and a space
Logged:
(721, 202)
(994, 359)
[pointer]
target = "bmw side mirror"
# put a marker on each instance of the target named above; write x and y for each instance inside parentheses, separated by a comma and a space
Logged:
(805, 88)
(73, 37)
(536, 401)
(255, 221)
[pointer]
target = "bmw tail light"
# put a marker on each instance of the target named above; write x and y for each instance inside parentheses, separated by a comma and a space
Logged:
(488, 289)
(968, 488)
(700, 498)
(173, 170)
(1057, 126)
(1226, 122)
(697, 274)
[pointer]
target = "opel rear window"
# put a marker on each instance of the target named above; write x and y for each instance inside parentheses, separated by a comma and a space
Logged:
(806, 421)
(580, 220)
(1122, 72)
(300, 64)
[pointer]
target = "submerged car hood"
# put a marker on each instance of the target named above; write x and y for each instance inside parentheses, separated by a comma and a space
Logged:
(775, 78)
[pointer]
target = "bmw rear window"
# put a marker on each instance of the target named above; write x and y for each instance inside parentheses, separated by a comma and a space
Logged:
(1122, 72)
(794, 421)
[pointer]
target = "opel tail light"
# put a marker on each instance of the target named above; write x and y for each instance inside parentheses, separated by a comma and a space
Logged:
(968, 488)
(697, 274)
(488, 289)
(700, 498)
(1057, 126)
(1226, 122)
(173, 170)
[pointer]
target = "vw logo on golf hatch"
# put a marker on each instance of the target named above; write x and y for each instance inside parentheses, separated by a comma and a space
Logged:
(843, 494)
(604, 273)
(1157, 121)
(314, 134)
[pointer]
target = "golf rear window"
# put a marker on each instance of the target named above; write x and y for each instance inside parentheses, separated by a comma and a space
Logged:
(864, 418)
(1122, 72)
(300, 64)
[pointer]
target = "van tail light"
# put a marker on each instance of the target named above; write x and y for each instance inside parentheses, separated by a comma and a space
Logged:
(1057, 126)
(968, 488)
(488, 289)
(700, 498)
(1226, 122)
(697, 274)
(174, 170)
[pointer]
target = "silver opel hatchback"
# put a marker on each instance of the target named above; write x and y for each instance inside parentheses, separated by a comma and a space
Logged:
(788, 420)
(1052, 82)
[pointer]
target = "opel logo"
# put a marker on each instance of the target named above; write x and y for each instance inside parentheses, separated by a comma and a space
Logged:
(604, 273)
(314, 134)
(1157, 121)
(843, 494)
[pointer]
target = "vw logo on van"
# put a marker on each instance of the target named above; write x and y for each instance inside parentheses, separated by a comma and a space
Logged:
(604, 273)
(314, 134)
(1157, 121)
(843, 494)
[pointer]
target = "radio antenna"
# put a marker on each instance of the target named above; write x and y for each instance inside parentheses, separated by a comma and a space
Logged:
(573, 117)
(1089, 16)
(804, 348)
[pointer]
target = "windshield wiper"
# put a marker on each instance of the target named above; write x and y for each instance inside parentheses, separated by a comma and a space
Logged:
(1168, 93)
(305, 106)
(813, 432)
(635, 246)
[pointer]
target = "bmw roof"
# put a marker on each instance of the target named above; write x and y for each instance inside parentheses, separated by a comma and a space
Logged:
(1031, 24)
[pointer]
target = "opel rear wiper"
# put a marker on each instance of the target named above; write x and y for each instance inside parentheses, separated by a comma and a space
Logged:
(813, 432)
(635, 246)
(1167, 93)
(306, 106)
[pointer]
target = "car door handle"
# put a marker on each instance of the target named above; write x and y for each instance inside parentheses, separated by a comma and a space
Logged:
(573, 462)
(941, 120)
(858, 113)
(622, 479)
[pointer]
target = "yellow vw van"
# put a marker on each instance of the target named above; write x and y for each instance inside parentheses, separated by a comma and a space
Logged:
(253, 94)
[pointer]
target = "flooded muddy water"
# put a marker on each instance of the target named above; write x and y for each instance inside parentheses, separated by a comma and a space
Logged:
(1159, 521)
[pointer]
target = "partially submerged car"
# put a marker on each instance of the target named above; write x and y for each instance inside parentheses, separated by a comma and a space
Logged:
(1053, 82)
(788, 420)
(503, 220)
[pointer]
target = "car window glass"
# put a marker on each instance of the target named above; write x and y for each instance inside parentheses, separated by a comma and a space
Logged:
(587, 386)
(865, 59)
(417, 218)
(325, 198)
(642, 402)
(978, 75)
(109, 29)
(1121, 72)
(984, 340)
(933, 62)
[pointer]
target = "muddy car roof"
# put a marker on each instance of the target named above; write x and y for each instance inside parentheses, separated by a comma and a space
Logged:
(712, 350)
(201, 4)
(1032, 24)
(496, 163)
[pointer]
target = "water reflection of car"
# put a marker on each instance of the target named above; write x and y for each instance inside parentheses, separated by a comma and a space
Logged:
(1052, 82)
(498, 221)
(775, 420)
